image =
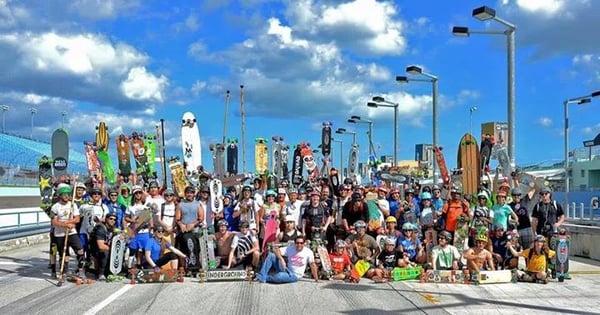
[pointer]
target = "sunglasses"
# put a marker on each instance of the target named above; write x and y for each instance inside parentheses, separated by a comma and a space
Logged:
(113, 195)
(299, 243)
(169, 195)
(407, 230)
(111, 218)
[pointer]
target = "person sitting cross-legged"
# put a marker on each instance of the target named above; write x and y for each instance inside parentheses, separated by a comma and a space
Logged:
(298, 257)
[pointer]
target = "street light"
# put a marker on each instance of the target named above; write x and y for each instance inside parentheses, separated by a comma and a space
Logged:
(359, 120)
(472, 109)
(343, 131)
(33, 111)
(416, 70)
(4, 109)
(379, 101)
(484, 14)
(577, 101)
(64, 115)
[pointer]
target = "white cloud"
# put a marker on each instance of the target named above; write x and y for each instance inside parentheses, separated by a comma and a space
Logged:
(198, 87)
(102, 9)
(191, 22)
(143, 86)
(591, 130)
(587, 65)
(374, 71)
(549, 7)
(545, 121)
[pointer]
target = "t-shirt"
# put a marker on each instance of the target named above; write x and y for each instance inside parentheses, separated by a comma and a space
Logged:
(394, 206)
(501, 214)
(118, 210)
(365, 241)
(409, 246)
(135, 209)
(64, 213)
(351, 215)
(499, 245)
(427, 216)
(316, 215)
(547, 214)
(99, 233)
(389, 260)
(248, 211)
(444, 256)
(167, 213)
(537, 263)
(453, 209)
(89, 214)
(155, 202)
(243, 244)
(479, 214)
(523, 215)
(298, 260)
(232, 222)
(339, 262)
(154, 247)
(294, 209)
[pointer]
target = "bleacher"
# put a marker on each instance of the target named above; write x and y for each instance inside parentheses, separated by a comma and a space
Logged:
(19, 159)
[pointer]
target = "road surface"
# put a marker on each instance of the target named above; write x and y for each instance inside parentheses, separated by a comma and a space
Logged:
(27, 289)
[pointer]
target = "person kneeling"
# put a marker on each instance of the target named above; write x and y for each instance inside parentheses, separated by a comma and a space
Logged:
(298, 257)
(159, 251)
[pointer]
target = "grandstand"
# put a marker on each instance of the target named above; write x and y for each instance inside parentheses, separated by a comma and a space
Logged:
(19, 160)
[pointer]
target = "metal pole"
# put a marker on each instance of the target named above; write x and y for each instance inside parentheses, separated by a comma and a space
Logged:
(435, 125)
(342, 157)
(566, 111)
(395, 135)
(64, 115)
(243, 140)
(164, 155)
(511, 94)
(227, 97)
(33, 111)
(4, 108)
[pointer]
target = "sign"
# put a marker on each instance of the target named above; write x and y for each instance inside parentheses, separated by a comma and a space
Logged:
(595, 203)
(59, 164)
(592, 143)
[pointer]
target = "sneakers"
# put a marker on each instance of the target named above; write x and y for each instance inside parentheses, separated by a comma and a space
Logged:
(102, 278)
(567, 276)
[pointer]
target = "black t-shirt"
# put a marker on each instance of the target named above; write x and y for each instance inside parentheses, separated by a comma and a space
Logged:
(499, 245)
(547, 214)
(523, 214)
(352, 215)
(316, 215)
(389, 260)
(100, 232)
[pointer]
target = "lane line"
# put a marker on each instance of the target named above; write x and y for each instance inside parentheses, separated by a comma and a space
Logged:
(12, 263)
(98, 307)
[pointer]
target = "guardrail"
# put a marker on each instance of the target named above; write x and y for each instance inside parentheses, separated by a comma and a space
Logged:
(579, 213)
(18, 224)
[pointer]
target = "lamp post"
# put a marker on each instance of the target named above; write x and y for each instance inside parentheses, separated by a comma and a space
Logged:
(577, 101)
(379, 101)
(359, 120)
(484, 14)
(343, 131)
(33, 111)
(225, 114)
(472, 109)
(4, 109)
(418, 71)
(341, 154)
(64, 116)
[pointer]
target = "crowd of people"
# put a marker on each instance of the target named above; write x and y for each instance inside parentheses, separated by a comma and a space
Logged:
(410, 226)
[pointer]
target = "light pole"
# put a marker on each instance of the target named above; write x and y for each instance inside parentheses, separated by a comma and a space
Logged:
(472, 109)
(33, 111)
(341, 154)
(484, 14)
(416, 70)
(359, 120)
(64, 115)
(4, 109)
(343, 131)
(577, 101)
(379, 101)
(227, 99)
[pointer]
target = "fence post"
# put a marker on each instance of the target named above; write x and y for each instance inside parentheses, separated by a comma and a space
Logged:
(581, 208)
(574, 207)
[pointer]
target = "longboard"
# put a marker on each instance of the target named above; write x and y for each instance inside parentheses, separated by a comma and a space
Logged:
(226, 275)
(117, 254)
(216, 195)
(93, 164)
(445, 276)
(124, 156)
(561, 244)
(309, 162)
(353, 162)
(359, 270)
(327, 272)
(411, 273)
(178, 176)
(297, 165)
(190, 142)
(441, 162)
(500, 153)
(204, 260)
(150, 146)
(218, 154)
(270, 235)
(485, 153)
(493, 276)
(261, 156)
(232, 156)
(285, 157)
(45, 183)
(468, 161)
(276, 153)
(102, 141)
(60, 152)
(151, 276)
(138, 150)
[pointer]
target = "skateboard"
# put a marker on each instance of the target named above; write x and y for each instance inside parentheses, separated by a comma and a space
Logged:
(216, 195)
(468, 161)
(138, 150)
(60, 152)
(500, 153)
(217, 150)
(309, 162)
(393, 178)
(232, 156)
(325, 261)
(150, 146)
(445, 276)
(271, 226)
(150, 276)
(93, 164)
(207, 250)
(190, 142)
(561, 244)
(493, 276)
(142, 220)
(485, 153)
(124, 156)
(276, 169)
(410, 273)
(178, 176)
(285, 157)
(353, 161)
(334, 181)
(441, 162)
(261, 156)
(226, 275)
(102, 136)
(326, 146)
(297, 166)
(196, 255)
(79, 280)
(102, 141)
(117, 254)
(359, 270)
(45, 183)
(374, 214)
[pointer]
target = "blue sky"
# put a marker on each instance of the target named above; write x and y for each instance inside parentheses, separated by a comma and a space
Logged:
(130, 63)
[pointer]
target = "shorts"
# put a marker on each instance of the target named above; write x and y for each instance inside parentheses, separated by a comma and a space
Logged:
(138, 243)
(73, 242)
(83, 240)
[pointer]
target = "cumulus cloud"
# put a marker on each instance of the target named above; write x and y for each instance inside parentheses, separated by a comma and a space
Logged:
(545, 121)
(587, 65)
(143, 86)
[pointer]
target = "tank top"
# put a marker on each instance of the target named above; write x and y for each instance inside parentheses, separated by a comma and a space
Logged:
(189, 211)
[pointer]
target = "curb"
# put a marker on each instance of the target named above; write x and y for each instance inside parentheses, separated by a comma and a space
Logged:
(585, 272)
(23, 242)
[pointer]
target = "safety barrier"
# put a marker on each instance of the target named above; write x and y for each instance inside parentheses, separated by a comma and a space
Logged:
(16, 224)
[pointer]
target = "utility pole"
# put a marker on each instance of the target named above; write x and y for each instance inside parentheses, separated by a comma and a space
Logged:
(243, 136)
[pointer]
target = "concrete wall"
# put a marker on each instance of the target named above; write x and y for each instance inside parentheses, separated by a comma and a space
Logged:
(585, 241)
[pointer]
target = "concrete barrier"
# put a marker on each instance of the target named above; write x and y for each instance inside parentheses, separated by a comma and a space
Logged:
(23, 242)
(585, 240)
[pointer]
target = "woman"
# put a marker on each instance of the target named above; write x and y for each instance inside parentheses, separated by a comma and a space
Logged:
(290, 233)
(410, 245)
(427, 220)
(247, 208)
(159, 251)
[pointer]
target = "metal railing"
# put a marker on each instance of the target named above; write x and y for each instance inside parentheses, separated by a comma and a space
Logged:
(581, 213)
(18, 224)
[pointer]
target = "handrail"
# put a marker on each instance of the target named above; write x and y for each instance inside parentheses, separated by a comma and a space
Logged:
(21, 222)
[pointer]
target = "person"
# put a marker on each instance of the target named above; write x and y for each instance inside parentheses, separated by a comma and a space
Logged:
(229, 214)
(247, 250)
(290, 232)
(444, 256)
(158, 251)
(409, 210)
(153, 199)
(479, 257)
(547, 215)
(499, 244)
(427, 220)
(316, 217)
(203, 199)
(437, 201)
(340, 261)
(355, 210)
(91, 212)
(298, 258)
(293, 206)
(248, 208)
(481, 217)
(524, 227)
(225, 245)
(114, 207)
(514, 250)
(454, 208)
(382, 203)
(394, 201)
(390, 232)
(125, 196)
(100, 242)
(142, 232)
(166, 213)
(259, 191)
(388, 259)
(537, 258)
(66, 216)
(188, 216)
(361, 242)
(410, 244)
(503, 211)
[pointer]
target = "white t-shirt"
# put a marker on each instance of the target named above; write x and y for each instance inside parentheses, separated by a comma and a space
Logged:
(251, 214)
(158, 200)
(258, 198)
(88, 214)
(209, 216)
(64, 213)
(135, 209)
(294, 209)
(168, 215)
(297, 261)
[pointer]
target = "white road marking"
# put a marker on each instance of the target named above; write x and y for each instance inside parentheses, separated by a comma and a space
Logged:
(12, 263)
(98, 307)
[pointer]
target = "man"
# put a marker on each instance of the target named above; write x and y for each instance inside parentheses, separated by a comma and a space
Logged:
(298, 257)
(316, 216)
(481, 217)
(259, 191)
(247, 250)
(524, 227)
(229, 214)
(66, 216)
(499, 244)
(125, 196)
(290, 232)
(248, 209)
(547, 214)
(225, 245)
(354, 210)
(438, 203)
(382, 203)
(100, 242)
(154, 200)
(502, 211)
(444, 256)
(115, 208)
(388, 259)
(360, 240)
(204, 201)
(537, 260)
(455, 207)
(479, 257)
(166, 213)
(188, 216)
(91, 212)
(293, 206)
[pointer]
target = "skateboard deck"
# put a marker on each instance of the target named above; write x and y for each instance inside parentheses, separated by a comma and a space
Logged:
(493, 276)
(138, 150)
(486, 153)
(276, 167)
(216, 195)
(150, 146)
(93, 164)
(151, 276)
(102, 136)
(79, 280)
(297, 166)
(441, 162)
(60, 152)
(178, 176)
(326, 138)
(285, 157)
(359, 270)
(500, 153)
(45, 183)
(309, 162)
(445, 276)
(203, 240)
(261, 156)
(102, 141)
(123, 155)
(270, 231)
(190, 142)
(353, 161)
(334, 181)
(327, 272)
(117, 254)
(374, 215)
(561, 244)
(401, 274)
(232, 156)
(225, 275)
(468, 161)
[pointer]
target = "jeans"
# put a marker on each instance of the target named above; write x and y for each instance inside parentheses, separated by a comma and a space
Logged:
(280, 276)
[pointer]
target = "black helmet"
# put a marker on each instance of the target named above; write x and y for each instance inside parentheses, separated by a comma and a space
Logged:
(446, 235)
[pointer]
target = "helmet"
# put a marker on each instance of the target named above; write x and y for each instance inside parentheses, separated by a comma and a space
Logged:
(271, 193)
(425, 196)
(447, 235)
(79, 185)
(169, 191)
(407, 226)
(360, 224)
(382, 188)
(390, 241)
(66, 189)
(247, 188)
(515, 192)
(435, 187)
(481, 237)
(190, 189)
(136, 188)
(427, 189)
(205, 189)
(540, 238)
(292, 191)
(504, 185)
(314, 193)
(153, 184)
(546, 190)
(391, 219)
(483, 194)
(356, 196)
(302, 191)
(95, 190)
(244, 224)
(501, 194)
(409, 191)
(456, 190)
(281, 191)
(124, 187)
(222, 222)
(113, 190)
(497, 227)
(289, 218)
(340, 243)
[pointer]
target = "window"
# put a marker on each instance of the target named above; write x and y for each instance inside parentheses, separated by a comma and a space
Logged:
(582, 173)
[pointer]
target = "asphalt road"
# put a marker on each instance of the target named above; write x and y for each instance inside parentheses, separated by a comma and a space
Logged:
(27, 289)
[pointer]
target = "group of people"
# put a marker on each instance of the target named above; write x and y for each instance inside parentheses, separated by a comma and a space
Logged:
(403, 227)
